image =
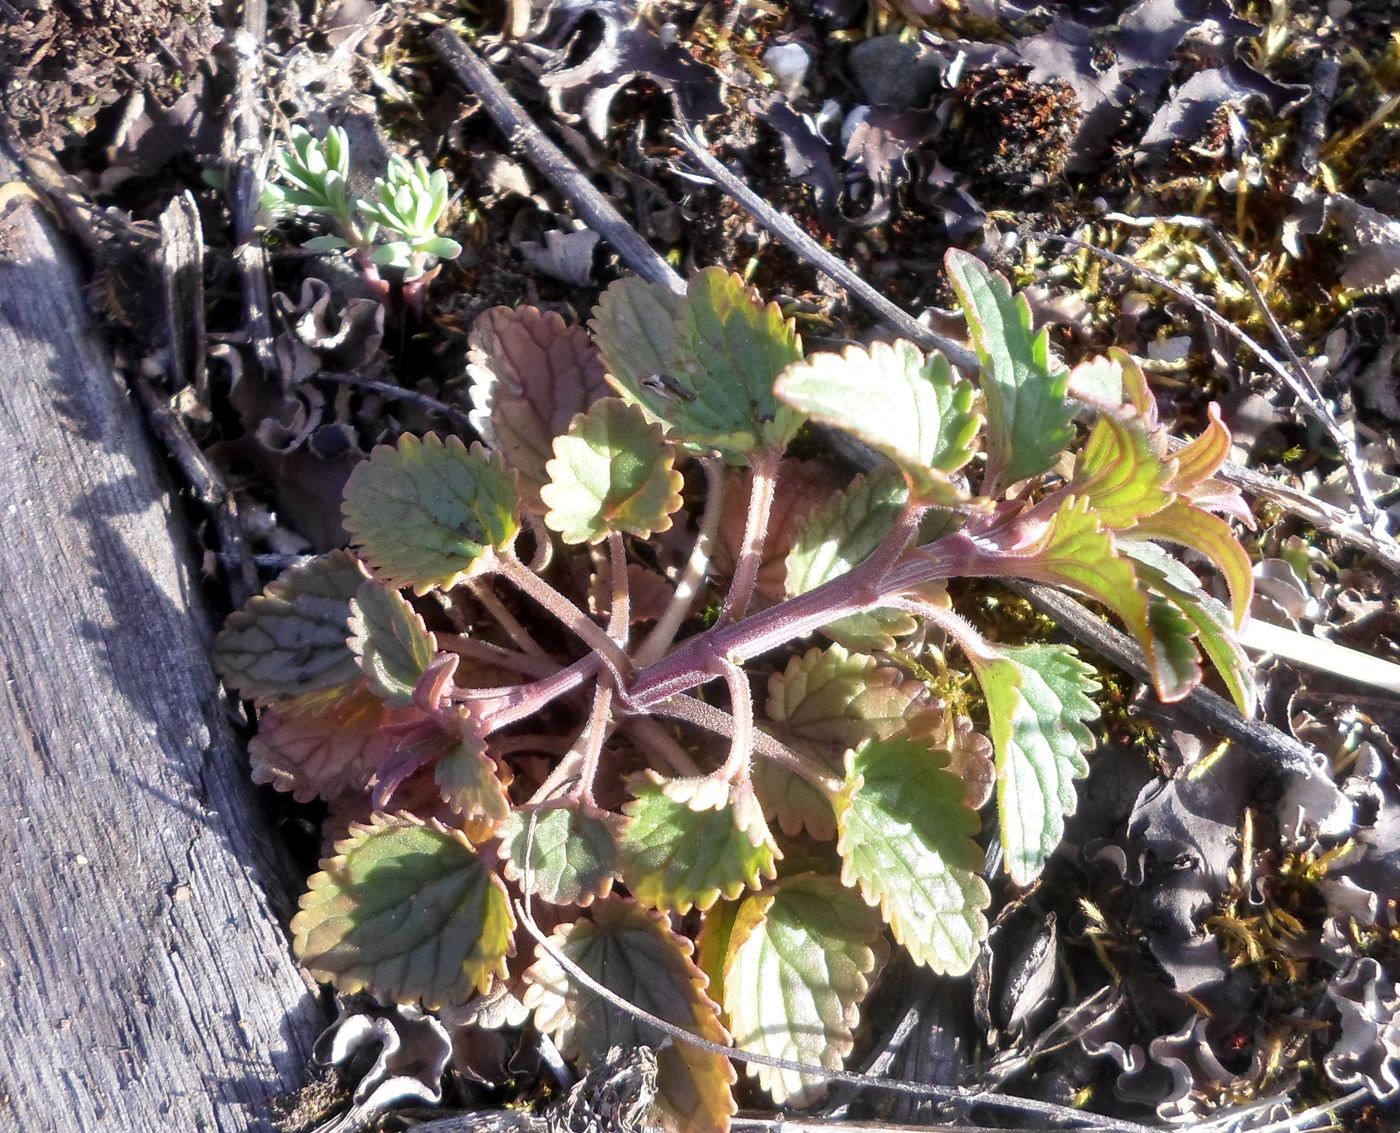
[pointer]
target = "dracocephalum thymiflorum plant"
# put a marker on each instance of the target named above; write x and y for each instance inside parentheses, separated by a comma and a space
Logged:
(702, 706)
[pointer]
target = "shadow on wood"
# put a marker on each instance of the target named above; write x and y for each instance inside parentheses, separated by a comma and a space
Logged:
(145, 981)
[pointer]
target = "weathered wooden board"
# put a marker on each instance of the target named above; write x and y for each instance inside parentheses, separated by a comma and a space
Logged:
(145, 983)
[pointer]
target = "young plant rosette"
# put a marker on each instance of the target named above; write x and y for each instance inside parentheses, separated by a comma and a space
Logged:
(693, 727)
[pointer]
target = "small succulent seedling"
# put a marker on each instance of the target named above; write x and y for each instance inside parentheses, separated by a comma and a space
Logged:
(408, 203)
(698, 738)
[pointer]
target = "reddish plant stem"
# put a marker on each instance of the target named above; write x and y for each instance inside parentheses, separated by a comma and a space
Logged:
(882, 577)
(466, 646)
(572, 618)
(700, 658)
(590, 741)
(513, 703)
(691, 710)
(764, 470)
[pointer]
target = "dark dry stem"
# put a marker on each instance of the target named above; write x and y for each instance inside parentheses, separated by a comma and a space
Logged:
(764, 471)
(785, 229)
(245, 157)
(206, 484)
(426, 402)
(1202, 706)
(523, 136)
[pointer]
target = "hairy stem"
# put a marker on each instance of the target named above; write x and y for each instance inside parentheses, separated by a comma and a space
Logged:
(570, 616)
(736, 767)
(494, 709)
(544, 545)
(591, 739)
(466, 646)
(620, 615)
(712, 719)
(746, 565)
(663, 744)
(668, 625)
(481, 590)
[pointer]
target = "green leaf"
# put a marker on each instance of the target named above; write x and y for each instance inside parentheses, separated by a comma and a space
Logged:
(1120, 474)
(1076, 552)
(1215, 635)
(1037, 706)
(612, 471)
(712, 943)
(469, 780)
(1172, 636)
(802, 958)
(407, 911)
(289, 643)
(840, 535)
(427, 514)
(634, 954)
(703, 365)
(830, 696)
(573, 858)
(792, 802)
(636, 327)
(902, 403)
(391, 641)
(1028, 414)
(907, 838)
(1211, 536)
(1210, 622)
(531, 374)
(683, 848)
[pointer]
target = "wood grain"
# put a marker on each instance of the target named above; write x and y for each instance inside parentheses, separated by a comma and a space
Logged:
(145, 982)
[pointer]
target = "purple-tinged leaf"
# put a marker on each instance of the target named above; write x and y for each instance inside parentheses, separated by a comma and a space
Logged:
(331, 753)
(531, 373)
(289, 644)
